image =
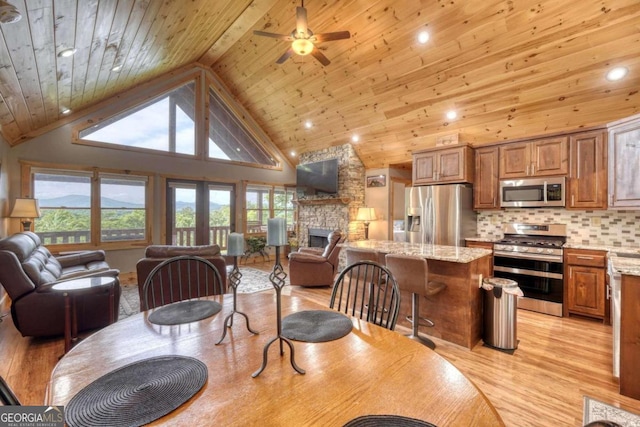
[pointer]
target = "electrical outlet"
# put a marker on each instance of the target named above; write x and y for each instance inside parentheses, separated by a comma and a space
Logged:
(595, 221)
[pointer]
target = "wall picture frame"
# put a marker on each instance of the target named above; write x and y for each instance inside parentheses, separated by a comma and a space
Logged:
(377, 181)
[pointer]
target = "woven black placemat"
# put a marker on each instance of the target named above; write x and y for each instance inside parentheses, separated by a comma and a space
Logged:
(316, 326)
(387, 421)
(138, 393)
(184, 312)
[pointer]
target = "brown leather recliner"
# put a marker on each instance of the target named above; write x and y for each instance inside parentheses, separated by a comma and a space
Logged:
(155, 254)
(315, 266)
(27, 269)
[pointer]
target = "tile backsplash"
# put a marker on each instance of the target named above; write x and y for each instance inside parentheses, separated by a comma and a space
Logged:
(605, 228)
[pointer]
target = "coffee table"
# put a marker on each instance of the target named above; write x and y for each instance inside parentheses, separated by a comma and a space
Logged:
(70, 289)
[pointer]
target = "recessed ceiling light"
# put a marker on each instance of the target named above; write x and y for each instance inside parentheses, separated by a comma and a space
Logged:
(308, 124)
(617, 73)
(67, 52)
(293, 154)
(65, 111)
(451, 115)
(355, 138)
(238, 149)
(423, 37)
(116, 68)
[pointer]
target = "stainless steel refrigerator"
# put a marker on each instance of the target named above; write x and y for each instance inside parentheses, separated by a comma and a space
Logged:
(440, 214)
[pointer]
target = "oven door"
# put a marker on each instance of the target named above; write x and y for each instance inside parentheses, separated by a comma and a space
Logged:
(539, 277)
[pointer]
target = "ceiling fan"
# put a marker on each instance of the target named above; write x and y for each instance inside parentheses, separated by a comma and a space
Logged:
(303, 39)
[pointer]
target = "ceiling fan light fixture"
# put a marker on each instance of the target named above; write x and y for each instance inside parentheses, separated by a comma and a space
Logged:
(302, 46)
(9, 13)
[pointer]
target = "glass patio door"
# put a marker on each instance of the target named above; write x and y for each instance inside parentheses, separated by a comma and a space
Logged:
(199, 213)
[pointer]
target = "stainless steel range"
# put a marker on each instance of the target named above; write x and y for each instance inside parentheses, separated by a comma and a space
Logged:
(531, 254)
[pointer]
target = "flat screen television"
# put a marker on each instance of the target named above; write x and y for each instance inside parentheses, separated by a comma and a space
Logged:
(317, 179)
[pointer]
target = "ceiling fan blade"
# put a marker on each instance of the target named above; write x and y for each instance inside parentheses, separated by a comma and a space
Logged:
(285, 56)
(301, 21)
(272, 35)
(320, 56)
(325, 37)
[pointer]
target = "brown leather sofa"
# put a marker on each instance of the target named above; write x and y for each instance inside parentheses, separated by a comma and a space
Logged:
(155, 254)
(28, 269)
(315, 266)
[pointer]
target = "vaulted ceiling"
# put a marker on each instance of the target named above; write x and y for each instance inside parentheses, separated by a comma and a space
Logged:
(510, 69)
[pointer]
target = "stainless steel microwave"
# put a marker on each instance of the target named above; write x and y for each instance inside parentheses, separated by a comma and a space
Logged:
(532, 192)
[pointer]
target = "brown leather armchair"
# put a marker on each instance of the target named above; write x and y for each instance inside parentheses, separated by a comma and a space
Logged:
(155, 254)
(315, 266)
(28, 269)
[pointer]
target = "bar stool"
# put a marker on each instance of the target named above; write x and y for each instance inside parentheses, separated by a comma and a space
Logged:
(356, 255)
(412, 275)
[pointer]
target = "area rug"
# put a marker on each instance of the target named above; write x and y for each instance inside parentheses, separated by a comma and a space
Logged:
(253, 280)
(594, 410)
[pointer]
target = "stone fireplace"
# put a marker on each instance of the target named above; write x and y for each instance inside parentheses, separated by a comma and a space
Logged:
(333, 213)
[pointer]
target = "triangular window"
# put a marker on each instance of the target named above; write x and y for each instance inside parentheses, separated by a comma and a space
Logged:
(173, 123)
(165, 123)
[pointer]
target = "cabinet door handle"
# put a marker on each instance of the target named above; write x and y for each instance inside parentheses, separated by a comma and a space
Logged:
(584, 257)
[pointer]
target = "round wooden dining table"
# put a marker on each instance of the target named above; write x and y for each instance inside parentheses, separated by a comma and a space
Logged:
(369, 371)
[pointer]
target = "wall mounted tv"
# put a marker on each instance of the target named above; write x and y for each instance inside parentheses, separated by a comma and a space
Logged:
(317, 179)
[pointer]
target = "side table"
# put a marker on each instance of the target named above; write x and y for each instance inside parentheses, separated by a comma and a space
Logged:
(70, 289)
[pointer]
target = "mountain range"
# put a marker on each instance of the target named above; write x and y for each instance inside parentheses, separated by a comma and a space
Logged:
(80, 201)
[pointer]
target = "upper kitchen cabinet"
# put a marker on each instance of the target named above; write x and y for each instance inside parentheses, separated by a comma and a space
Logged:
(624, 164)
(587, 184)
(443, 165)
(485, 188)
(543, 157)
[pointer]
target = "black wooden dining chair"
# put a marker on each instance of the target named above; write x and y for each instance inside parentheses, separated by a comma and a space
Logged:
(7, 397)
(181, 278)
(369, 291)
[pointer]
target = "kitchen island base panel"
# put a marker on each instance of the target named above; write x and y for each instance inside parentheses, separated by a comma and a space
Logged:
(457, 310)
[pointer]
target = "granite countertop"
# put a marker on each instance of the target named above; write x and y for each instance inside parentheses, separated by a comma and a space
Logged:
(436, 252)
(482, 239)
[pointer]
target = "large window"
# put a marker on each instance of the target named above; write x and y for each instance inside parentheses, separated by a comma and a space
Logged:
(263, 202)
(166, 124)
(179, 122)
(72, 215)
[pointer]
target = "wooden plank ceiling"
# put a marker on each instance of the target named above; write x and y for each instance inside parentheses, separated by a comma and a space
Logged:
(510, 69)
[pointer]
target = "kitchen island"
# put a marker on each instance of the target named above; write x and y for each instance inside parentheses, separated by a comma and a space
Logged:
(456, 311)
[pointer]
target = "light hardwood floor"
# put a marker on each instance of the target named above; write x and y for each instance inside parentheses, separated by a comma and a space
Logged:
(557, 363)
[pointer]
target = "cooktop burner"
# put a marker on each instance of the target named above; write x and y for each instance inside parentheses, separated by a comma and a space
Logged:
(537, 235)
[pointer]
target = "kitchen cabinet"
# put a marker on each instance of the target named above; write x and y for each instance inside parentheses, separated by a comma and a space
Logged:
(624, 164)
(542, 157)
(587, 183)
(585, 283)
(485, 187)
(630, 337)
(443, 165)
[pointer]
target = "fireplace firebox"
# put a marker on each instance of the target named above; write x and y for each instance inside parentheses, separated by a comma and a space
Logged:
(318, 237)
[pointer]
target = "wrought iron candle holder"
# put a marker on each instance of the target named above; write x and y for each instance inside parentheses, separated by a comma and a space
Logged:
(234, 281)
(277, 278)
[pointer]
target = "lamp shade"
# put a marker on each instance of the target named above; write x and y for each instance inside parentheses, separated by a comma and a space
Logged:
(366, 214)
(235, 244)
(25, 208)
(276, 232)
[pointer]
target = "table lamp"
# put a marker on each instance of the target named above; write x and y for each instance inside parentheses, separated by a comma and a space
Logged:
(235, 248)
(27, 209)
(366, 215)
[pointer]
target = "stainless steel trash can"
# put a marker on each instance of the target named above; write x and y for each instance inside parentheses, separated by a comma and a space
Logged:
(500, 312)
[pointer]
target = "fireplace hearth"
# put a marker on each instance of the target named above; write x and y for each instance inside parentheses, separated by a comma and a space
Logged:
(318, 237)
